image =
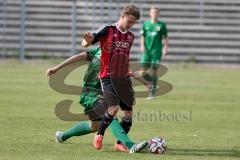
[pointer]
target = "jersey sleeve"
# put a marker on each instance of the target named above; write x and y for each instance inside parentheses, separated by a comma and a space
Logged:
(165, 31)
(100, 33)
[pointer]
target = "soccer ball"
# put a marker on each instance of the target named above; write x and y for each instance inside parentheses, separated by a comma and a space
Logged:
(157, 145)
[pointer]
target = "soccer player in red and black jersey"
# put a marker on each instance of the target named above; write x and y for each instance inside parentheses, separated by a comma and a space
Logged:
(115, 42)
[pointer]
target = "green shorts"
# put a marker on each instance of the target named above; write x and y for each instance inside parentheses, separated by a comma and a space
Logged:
(87, 99)
(94, 106)
(151, 60)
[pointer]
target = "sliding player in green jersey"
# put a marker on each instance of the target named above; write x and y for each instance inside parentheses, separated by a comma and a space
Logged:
(92, 100)
(153, 32)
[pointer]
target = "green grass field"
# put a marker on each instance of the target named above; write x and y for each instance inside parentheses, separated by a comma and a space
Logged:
(209, 98)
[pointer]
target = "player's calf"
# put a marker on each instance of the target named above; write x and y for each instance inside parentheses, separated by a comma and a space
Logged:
(106, 121)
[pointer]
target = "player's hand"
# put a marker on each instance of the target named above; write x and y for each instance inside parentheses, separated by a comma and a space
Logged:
(50, 71)
(164, 51)
(88, 37)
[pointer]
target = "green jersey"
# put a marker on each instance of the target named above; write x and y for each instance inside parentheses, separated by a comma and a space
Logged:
(153, 35)
(91, 84)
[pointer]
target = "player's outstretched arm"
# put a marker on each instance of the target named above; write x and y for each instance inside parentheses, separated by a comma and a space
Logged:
(142, 44)
(75, 58)
(138, 77)
(165, 48)
(87, 39)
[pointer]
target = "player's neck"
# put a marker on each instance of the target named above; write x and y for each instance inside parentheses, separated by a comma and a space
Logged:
(120, 28)
(154, 21)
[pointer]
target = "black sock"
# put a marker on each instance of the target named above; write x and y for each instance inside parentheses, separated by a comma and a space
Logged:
(106, 121)
(126, 124)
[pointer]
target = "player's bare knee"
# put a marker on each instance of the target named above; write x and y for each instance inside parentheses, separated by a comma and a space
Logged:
(127, 118)
(113, 110)
(127, 114)
(93, 128)
(94, 125)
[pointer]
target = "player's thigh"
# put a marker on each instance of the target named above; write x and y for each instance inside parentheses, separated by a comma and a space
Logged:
(125, 108)
(110, 97)
(127, 113)
(94, 125)
(127, 99)
(155, 63)
(97, 110)
(146, 61)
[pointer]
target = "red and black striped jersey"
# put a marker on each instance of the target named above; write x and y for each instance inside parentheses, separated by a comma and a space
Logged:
(115, 46)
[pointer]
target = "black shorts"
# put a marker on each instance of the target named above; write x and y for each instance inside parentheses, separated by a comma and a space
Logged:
(118, 91)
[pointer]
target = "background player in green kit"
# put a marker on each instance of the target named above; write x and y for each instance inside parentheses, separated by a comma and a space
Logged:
(92, 101)
(153, 32)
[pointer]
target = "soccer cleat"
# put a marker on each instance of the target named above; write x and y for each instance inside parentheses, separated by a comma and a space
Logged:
(97, 142)
(120, 147)
(138, 147)
(58, 137)
(150, 97)
(152, 93)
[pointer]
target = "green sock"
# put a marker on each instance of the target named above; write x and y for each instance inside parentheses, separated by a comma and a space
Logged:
(79, 129)
(154, 82)
(118, 132)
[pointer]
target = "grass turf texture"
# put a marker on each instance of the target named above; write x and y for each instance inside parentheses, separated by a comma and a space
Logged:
(207, 97)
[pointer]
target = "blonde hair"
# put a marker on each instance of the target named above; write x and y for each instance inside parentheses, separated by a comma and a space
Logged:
(131, 10)
(155, 7)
